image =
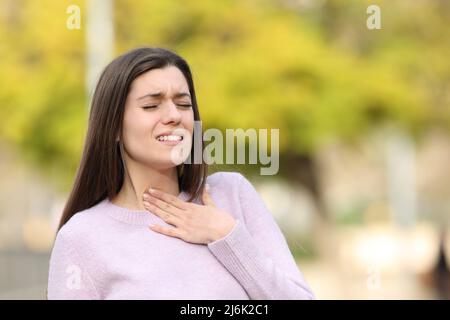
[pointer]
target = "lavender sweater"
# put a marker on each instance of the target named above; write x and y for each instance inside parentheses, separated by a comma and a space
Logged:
(108, 252)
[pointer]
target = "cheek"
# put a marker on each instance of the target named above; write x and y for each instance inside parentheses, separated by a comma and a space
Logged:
(137, 128)
(188, 121)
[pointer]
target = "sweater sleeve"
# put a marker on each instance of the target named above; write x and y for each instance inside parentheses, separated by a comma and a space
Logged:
(68, 278)
(256, 253)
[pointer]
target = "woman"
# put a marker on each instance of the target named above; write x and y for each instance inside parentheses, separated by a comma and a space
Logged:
(117, 239)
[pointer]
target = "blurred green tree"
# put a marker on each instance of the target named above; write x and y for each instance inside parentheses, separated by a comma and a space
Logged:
(312, 70)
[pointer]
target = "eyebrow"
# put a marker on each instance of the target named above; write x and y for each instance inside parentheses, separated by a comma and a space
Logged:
(160, 94)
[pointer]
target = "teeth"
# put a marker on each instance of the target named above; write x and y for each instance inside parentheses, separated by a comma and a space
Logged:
(170, 138)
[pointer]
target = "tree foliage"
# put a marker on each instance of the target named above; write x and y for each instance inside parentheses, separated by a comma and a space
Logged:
(316, 73)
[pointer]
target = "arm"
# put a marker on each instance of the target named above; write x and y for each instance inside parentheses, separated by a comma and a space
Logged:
(67, 279)
(256, 252)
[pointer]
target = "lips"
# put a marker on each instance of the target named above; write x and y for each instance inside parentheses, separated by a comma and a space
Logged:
(174, 134)
(169, 138)
(170, 135)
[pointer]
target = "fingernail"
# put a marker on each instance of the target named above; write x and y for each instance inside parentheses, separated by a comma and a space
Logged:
(151, 190)
(145, 196)
(146, 204)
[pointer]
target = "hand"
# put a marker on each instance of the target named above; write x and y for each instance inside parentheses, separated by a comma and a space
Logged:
(194, 223)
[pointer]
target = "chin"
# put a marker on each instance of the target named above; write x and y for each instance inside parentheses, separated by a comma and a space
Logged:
(162, 164)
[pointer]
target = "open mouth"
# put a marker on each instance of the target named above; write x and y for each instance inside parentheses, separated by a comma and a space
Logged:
(169, 138)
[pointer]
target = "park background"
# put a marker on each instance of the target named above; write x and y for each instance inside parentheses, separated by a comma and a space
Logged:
(363, 191)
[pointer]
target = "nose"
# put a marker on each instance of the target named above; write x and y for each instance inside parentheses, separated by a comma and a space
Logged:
(171, 113)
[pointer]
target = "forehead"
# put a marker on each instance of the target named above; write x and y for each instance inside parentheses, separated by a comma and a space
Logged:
(168, 79)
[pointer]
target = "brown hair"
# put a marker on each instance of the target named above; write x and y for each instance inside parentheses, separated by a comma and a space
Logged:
(101, 171)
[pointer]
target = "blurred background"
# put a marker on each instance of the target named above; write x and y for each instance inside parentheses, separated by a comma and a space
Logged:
(363, 191)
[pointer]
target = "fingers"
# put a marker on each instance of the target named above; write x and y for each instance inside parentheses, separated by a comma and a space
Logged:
(164, 215)
(163, 205)
(168, 198)
(171, 232)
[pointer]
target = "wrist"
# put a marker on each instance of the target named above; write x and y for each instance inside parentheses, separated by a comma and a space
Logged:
(225, 230)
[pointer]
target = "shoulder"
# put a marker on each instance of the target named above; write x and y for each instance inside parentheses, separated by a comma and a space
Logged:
(82, 224)
(73, 257)
(235, 189)
(231, 179)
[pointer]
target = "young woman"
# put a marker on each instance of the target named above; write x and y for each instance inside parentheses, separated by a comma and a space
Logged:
(139, 225)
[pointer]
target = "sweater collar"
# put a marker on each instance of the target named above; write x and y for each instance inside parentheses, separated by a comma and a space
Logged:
(135, 217)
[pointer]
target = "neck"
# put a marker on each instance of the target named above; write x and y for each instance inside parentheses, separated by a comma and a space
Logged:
(138, 178)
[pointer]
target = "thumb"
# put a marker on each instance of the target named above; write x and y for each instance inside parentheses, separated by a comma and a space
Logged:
(206, 197)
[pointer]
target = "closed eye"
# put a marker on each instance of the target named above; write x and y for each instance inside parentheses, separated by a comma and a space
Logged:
(154, 106)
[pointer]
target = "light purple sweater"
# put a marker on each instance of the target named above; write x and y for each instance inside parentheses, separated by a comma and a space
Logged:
(108, 252)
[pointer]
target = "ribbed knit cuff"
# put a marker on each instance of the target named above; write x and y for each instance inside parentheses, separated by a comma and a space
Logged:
(240, 255)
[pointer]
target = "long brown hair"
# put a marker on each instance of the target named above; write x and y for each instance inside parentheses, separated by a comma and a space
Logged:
(101, 171)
